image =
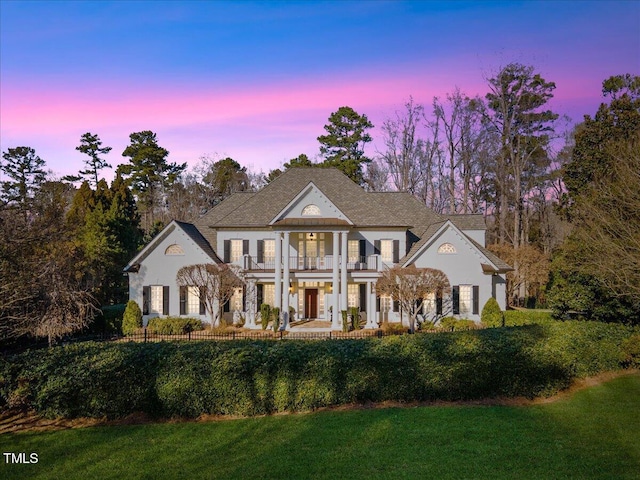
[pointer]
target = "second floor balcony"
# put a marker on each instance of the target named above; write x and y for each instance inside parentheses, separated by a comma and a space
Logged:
(302, 263)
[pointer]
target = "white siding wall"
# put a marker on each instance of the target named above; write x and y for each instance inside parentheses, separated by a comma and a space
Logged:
(161, 269)
(463, 268)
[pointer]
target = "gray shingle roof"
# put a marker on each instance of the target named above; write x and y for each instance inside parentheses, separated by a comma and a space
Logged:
(503, 266)
(363, 208)
(195, 235)
(468, 221)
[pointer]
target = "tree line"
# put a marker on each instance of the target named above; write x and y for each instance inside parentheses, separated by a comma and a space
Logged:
(561, 206)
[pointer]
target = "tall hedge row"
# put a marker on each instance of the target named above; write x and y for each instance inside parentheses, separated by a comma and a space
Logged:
(255, 377)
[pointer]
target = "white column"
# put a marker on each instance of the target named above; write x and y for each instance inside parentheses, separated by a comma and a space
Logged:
(343, 272)
(250, 306)
(371, 307)
(278, 271)
(285, 286)
(336, 323)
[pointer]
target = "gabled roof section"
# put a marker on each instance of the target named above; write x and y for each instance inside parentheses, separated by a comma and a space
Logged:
(197, 237)
(361, 208)
(493, 264)
(188, 229)
(474, 221)
(310, 195)
(500, 265)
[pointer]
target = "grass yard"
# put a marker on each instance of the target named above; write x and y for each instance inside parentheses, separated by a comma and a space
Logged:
(595, 433)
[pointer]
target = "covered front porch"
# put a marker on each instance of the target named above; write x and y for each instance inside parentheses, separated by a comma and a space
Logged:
(308, 305)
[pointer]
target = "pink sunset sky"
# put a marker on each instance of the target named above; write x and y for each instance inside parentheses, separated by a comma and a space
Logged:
(257, 81)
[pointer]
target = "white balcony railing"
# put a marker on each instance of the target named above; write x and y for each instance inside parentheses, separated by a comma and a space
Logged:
(299, 263)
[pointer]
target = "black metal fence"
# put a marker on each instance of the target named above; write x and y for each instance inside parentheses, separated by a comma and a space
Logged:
(147, 336)
(144, 336)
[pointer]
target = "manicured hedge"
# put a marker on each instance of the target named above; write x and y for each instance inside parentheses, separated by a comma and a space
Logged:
(255, 377)
(515, 318)
(173, 325)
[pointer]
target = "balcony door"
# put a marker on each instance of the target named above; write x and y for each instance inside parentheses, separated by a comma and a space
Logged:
(311, 251)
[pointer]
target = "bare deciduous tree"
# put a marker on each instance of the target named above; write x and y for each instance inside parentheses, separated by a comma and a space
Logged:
(410, 286)
(217, 284)
(608, 231)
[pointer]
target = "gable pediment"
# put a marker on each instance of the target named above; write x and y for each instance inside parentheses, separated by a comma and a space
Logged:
(178, 239)
(310, 205)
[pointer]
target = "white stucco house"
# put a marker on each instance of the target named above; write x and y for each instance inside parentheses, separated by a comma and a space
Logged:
(314, 240)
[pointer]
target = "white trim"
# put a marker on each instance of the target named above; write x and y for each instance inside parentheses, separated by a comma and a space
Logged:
(310, 186)
(428, 244)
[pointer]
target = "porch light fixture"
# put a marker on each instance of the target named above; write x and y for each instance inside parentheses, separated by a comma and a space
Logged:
(311, 235)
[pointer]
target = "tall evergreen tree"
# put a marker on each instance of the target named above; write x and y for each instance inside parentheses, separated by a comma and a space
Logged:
(516, 113)
(149, 172)
(91, 145)
(26, 172)
(343, 145)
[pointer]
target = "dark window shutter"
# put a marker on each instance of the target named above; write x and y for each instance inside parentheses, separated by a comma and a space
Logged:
(183, 300)
(476, 299)
(244, 297)
(227, 306)
(146, 294)
(260, 258)
(363, 249)
(245, 247)
(377, 304)
(376, 247)
(203, 304)
(260, 301)
(439, 303)
(396, 306)
(165, 300)
(363, 297)
(396, 251)
(456, 300)
(227, 251)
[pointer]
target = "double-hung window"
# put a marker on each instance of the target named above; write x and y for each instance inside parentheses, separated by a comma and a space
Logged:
(236, 250)
(193, 300)
(386, 250)
(156, 300)
(465, 299)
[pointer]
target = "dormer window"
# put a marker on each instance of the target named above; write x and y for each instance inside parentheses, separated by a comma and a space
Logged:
(446, 248)
(174, 249)
(311, 211)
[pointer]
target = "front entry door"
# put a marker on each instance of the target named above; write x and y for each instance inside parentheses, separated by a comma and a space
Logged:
(311, 303)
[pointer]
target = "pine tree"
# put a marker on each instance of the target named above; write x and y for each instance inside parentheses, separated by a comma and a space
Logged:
(91, 145)
(343, 146)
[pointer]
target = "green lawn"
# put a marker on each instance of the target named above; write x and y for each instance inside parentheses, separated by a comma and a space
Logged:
(594, 434)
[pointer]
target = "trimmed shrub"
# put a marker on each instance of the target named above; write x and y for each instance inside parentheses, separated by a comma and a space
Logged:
(491, 315)
(355, 318)
(393, 328)
(245, 377)
(265, 315)
(345, 321)
(452, 324)
(174, 325)
(275, 316)
(132, 318)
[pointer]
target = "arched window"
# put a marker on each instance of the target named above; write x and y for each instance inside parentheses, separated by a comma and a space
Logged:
(174, 249)
(446, 248)
(311, 211)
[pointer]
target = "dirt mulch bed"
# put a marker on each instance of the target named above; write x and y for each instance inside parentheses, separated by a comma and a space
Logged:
(13, 421)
